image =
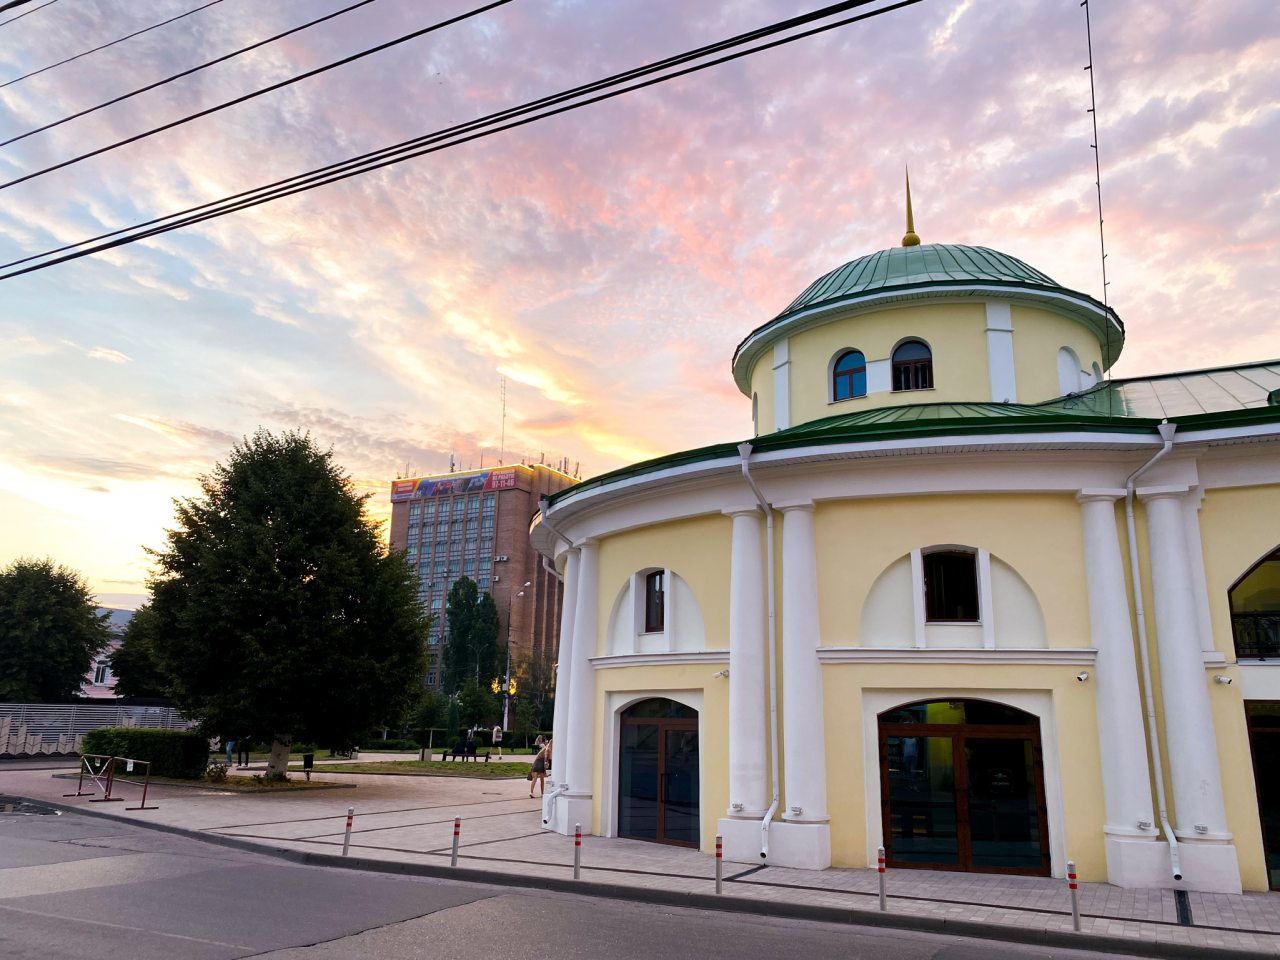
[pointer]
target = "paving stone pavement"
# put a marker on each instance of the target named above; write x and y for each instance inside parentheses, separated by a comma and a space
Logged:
(409, 820)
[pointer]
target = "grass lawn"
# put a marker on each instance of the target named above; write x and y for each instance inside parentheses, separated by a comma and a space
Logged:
(493, 770)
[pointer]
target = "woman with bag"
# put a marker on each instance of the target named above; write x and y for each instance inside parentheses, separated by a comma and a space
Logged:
(538, 775)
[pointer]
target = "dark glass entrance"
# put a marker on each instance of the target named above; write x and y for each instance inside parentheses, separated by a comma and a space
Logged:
(1264, 744)
(658, 786)
(962, 788)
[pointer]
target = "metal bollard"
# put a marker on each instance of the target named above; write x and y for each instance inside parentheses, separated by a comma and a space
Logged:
(457, 832)
(346, 837)
(577, 851)
(719, 863)
(884, 898)
(1075, 895)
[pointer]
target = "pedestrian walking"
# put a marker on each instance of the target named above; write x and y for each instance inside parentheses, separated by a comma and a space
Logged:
(242, 753)
(538, 776)
(497, 739)
(231, 750)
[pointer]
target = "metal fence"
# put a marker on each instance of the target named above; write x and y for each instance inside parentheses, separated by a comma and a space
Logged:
(1257, 635)
(39, 729)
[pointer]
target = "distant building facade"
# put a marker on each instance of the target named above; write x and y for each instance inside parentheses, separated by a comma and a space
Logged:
(100, 681)
(476, 524)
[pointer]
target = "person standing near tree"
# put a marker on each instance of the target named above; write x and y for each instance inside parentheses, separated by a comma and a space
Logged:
(497, 739)
(539, 775)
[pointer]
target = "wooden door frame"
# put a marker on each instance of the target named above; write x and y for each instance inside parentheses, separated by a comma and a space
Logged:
(959, 733)
(1251, 730)
(663, 724)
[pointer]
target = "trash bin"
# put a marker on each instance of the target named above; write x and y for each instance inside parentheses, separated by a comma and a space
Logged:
(308, 764)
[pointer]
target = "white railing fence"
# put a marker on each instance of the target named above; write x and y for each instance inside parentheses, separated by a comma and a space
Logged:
(41, 729)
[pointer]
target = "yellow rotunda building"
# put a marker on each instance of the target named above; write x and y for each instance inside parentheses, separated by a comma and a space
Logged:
(960, 596)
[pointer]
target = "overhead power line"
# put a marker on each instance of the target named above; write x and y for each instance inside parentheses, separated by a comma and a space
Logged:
(104, 46)
(458, 134)
(176, 76)
(257, 93)
(18, 3)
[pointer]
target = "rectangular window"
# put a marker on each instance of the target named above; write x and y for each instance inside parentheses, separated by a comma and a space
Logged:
(489, 504)
(469, 568)
(653, 602)
(951, 587)
(438, 568)
(101, 672)
(414, 509)
(458, 506)
(483, 582)
(431, 678)
(428, 510)
(486, 527)
(473, 505)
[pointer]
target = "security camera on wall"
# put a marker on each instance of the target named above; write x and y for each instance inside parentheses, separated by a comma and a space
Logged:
(1082, 676)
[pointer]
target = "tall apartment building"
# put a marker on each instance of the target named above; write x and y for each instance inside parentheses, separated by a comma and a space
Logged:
(476, 524)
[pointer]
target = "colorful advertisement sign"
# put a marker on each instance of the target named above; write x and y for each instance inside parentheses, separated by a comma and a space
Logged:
(502, 479)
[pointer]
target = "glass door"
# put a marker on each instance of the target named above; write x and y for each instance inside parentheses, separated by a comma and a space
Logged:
(658, 777)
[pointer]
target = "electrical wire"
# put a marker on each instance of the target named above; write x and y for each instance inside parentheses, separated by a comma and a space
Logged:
(10, 6)
(257, 93)
(136, 33)
(458, 134)
(176, 76)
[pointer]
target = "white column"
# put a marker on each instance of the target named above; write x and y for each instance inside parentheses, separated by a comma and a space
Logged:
(1126, 775)
(748, 713)
(781, 385)
(564, 660)
(582, 687)
(1004, 387)
(803, 724)
(1188, 721)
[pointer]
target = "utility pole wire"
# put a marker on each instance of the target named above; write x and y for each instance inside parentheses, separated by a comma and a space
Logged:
(176, 76)
(452, 136)
(258, 93)
(18, 3)
(104, 46)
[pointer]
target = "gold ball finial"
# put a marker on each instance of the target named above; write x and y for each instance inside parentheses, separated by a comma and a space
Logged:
(910, 238)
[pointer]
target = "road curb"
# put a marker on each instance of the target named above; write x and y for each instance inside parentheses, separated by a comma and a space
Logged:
(724, 903)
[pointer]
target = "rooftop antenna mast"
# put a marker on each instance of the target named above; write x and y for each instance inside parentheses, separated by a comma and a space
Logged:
(1097, 182)
(502, 446)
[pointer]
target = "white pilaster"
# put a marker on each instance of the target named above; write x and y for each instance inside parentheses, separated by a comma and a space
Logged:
(1004, 387)
(575, 804)
(803, 726)
(1126, 776)
(1188, 721)
(564, 661)
(781, 385)
(748, 712)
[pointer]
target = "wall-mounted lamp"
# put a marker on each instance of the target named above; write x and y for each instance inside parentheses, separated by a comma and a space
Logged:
(1082, 676)
(1219, 678)
(720, 675)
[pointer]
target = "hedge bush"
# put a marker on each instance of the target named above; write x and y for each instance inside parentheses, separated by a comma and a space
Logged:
(173, 753)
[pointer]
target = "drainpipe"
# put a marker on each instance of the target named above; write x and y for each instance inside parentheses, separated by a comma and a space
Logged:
(1166, 434)
(744, 451)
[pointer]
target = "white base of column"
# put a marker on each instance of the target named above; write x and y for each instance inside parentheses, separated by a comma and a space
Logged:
(560, 813)
(1206, 867)
(805, 846)
(741, 839)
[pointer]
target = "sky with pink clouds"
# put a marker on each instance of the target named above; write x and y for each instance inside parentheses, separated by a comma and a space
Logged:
(606, 262)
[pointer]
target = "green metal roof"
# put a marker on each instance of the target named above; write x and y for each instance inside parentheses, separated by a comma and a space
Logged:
(902, 274)
(1220, 396)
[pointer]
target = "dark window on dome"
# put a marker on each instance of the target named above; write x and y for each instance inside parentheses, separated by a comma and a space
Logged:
(912, 366)
(849, 376)
(950, 586)
(653, 605)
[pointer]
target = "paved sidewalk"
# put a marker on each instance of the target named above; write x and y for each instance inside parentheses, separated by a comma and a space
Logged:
(407, 823)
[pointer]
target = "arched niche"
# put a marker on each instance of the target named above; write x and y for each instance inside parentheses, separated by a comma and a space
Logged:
(632, 617)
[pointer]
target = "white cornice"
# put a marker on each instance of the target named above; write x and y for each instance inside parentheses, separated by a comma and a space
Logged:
(692, 657)
(1065, 657)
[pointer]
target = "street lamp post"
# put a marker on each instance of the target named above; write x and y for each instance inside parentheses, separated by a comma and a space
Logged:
(507, 684)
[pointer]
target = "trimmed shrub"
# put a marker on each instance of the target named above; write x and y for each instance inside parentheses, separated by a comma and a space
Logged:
(173, 753)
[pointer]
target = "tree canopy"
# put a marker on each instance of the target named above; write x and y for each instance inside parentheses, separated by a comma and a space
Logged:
(277, 611)
(138, 672)
(50, 631)
(471, 645)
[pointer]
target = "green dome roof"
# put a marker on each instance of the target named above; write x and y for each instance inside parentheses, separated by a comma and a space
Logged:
(928, 271)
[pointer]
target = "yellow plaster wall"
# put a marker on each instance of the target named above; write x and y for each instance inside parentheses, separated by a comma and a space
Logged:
(1038, 335)
(762, 388)
(1075, 718)
(1038, 535)
(698, 549)
(713, 734)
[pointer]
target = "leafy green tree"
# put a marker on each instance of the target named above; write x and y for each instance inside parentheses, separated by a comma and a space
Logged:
(278, 612)
(525, 723)
(50, 631)
(471, 646)
(476, 704)
(430, 712)
(538, 684)
(138, 672)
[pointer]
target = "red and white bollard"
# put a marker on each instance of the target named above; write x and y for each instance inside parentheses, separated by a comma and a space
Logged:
(884, 896)
(1074, 887)
(346, 837)
(577, 851)
(719, 863)
(457, 832)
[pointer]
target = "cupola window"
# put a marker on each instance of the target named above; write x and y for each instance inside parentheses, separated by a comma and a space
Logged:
(849, 376)
(654, 612)
(912, 366)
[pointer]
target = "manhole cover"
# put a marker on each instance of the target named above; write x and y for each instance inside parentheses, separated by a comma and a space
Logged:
(17, 805)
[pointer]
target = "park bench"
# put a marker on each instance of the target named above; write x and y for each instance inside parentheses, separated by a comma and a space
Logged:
(464, 752)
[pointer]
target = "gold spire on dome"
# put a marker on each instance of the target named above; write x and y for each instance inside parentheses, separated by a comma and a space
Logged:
(910, 239)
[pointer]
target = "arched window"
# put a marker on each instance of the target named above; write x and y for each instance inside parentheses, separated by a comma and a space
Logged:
(654, 607)
(849, 376)
(912, 366)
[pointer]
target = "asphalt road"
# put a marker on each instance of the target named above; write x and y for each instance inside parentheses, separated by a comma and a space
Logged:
(74, 886)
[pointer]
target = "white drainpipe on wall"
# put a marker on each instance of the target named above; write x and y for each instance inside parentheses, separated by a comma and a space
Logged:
(1166, 434)
(744, 450)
